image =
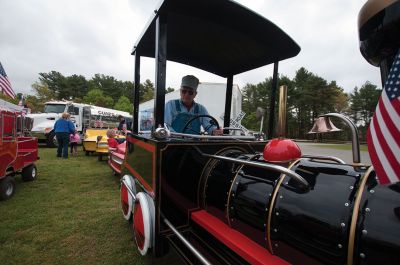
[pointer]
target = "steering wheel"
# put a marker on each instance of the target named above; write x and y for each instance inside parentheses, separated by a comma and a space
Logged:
(213, 122)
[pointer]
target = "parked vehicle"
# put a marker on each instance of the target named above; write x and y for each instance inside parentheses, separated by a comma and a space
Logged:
(18, 152)
(238, 199)
(82, 115)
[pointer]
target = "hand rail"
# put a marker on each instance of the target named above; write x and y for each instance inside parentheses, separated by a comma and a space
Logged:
(129, 190)
(186, 242)
(320, 157)
(300, 180)
(215, 137)
(355, 144)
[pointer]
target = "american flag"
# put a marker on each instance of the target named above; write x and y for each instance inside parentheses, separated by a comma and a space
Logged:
(5, 84)
(384, 131)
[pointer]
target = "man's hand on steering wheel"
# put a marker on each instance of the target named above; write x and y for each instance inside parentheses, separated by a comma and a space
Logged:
(213, 122)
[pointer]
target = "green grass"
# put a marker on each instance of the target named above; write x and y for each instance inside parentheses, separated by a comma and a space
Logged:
(342, 147)
(69, 215)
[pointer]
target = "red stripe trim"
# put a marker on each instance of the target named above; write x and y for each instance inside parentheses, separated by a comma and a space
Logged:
(140, 178)
(148, 147)
(8, 93)
(390, 156)
(396, 105)
(380, 172)
(6, 80)
(239, 243)
(389, 122)
(387, 153)
(6, 85)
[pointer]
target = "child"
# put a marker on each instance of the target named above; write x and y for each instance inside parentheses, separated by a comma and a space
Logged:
(74, 140)
(112, 142)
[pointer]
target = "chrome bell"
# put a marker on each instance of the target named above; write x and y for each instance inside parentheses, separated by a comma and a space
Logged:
(323, 125)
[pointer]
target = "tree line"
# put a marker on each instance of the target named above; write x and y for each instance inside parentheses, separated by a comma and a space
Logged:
(101, 90)
(309, 96)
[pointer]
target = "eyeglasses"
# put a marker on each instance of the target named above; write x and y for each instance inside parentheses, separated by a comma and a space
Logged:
(190, 92)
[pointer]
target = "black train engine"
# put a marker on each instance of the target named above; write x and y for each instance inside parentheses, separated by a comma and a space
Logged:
(224, 201)
(238, 208)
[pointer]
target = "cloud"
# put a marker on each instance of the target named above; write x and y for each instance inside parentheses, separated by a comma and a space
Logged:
(86, 37)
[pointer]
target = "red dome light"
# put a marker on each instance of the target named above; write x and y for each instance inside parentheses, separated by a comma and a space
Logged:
(281, 151)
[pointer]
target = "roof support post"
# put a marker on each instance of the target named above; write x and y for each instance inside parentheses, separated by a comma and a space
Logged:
(161, 66)
(228, 102)
(136, 91)
(272, 102)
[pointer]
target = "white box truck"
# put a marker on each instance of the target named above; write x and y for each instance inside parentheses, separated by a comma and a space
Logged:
(82, 115)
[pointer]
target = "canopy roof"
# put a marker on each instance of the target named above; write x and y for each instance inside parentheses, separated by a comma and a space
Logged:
(218, 36)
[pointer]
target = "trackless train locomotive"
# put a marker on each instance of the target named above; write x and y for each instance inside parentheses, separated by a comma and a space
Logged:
(236, 199)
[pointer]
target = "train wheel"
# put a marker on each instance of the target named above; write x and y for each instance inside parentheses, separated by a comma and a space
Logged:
(29, 173)
(126, 198)
(143, 222)
(7, 188)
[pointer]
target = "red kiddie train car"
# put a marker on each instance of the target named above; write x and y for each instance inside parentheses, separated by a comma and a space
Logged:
(221, 199)
(116, 158)
(18, 152)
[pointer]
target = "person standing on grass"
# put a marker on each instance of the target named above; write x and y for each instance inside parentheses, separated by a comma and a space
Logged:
(74, 140)
(63, 128)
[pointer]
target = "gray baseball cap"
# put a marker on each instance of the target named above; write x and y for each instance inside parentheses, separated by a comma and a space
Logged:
(190, 81)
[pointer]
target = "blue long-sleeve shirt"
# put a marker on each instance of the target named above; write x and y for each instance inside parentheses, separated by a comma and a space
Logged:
(63, 125)
(171, 112)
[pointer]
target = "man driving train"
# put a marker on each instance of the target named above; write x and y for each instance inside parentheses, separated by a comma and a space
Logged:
(179, 112)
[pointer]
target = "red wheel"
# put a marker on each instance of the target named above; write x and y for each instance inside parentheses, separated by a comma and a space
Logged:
(143, 222)
(126, 198)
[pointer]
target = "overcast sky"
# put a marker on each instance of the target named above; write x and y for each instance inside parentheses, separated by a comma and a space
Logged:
(86, 37)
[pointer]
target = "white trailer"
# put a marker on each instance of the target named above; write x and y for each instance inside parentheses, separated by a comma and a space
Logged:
(210, 95)
(82, 115)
